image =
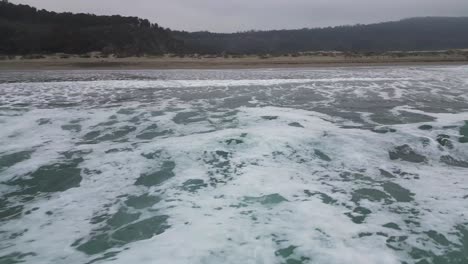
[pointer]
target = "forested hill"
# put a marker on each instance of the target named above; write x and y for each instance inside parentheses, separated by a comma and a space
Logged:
(427, 33)
(24, 30)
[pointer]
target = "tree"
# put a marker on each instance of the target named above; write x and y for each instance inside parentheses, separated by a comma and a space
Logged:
(26, 30)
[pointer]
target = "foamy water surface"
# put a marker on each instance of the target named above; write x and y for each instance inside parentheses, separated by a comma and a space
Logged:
(323, 166)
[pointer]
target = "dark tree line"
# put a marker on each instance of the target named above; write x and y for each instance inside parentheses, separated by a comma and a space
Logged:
(25, 30)
(428, 33)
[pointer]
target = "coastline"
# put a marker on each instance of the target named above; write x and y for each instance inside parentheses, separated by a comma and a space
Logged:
(248, 62)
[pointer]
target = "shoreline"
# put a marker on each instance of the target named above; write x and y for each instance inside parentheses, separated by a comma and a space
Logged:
(160, 63)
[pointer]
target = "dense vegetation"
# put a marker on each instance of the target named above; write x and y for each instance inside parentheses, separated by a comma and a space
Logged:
(430, 33)
(26, 30)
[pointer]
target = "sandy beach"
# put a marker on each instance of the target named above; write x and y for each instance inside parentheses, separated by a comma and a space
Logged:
(244, 62)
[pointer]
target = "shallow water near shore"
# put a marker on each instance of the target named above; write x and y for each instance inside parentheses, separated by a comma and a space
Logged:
(345, 165)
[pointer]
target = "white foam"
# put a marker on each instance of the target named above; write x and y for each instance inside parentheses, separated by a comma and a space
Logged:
(216, 224)
(121, 84)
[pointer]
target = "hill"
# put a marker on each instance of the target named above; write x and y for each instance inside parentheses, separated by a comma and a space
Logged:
(426, 33)
(27, 30)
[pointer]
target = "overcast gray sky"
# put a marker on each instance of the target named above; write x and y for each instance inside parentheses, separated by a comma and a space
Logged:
(239, 15)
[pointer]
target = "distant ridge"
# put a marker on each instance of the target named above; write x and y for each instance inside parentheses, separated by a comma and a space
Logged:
(420, 33)
(27, 30)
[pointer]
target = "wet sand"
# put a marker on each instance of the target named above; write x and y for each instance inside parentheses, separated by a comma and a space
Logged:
(55, 63)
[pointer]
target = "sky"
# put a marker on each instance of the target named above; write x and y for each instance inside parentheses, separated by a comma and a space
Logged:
(241, 15)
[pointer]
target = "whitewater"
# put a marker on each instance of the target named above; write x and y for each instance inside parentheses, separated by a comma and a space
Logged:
(327, 166)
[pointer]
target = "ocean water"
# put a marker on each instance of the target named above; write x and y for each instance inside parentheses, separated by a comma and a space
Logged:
(324, 166)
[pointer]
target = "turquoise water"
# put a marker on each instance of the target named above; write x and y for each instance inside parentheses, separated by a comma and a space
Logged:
(347, 165)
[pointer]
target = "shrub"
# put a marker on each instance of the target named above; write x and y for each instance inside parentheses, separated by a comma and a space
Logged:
(32, 57)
